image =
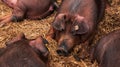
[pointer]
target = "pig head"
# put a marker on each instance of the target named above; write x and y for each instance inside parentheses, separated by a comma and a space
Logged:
(24, 52)
(72, 30)
(75, 23)
(37, 44)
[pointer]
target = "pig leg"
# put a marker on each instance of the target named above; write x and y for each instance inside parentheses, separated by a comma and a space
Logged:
(86, 50)
(47, 12)
(17, 15)
(50, 10)
(5, 20)
(82, 52)
(92, 58)
(87, 45)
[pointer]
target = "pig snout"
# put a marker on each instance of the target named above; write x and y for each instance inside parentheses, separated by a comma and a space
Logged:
(39, 44)
(45, 52)
(62, 49)
(44, 48)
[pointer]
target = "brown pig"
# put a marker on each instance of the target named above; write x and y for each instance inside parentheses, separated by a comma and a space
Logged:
(31, 9)
(75, 23)
(107, 50)
(21, 52)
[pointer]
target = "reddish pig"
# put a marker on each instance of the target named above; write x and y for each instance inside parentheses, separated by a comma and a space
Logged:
(75, 23)
(31, 9)
(107, 50)
(21, 52)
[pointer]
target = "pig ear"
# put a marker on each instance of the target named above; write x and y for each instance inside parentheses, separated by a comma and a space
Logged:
(59, 22)
(81, 27)
(17, 38)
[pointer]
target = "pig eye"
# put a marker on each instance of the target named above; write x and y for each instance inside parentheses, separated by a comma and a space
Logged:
(45, 41)
(58, 26)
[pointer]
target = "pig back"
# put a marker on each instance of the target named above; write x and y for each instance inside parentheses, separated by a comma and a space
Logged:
(111, 56)
(107, 50)
(33, 8)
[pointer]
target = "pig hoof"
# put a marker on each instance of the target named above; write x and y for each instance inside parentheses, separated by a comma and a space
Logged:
(76, 58)
(56, 6)
(2, 25)
(62, 52)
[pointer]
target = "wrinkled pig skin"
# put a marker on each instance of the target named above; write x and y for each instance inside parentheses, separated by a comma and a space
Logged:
(21, 52)
(75, 23)
(30, 9)
(107, 50)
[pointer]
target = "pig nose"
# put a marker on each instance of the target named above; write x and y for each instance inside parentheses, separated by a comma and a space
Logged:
(62, 50)
(44, 51)
(45, 54)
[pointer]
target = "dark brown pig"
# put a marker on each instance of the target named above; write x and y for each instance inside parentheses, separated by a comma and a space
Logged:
(31, 9)
(21, 52)
(107, 50)
(75, 23)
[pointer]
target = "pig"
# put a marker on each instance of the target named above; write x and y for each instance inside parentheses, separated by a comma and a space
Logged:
(75, 23)
(30, 9)
(107, 50)
(23, 52)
